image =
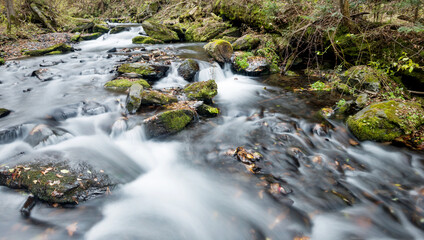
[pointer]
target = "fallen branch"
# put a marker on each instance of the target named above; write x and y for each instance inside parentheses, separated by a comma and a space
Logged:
(42, 17)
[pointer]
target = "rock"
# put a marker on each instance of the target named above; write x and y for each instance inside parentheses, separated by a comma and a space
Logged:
(123, 84)
(272, 57)
(247, 63)
(207, 111)
(364, 77)
(54, 179)
(72, 110)
(76, 37)
(4, 112)
(112, 50)
(93, 108)
(361, 100)
(152, 97)
(45, 75)
(133, 101)
(92, 36)
(43, 135)
(220, 50)
(118, 29)
(202, 91)
(188, 69)
(56, 49)
(167, 123)
(100, 28)
(145, 40)
(206, 30)
(159, 31)
(50, 64)
(151, 72)
(2, 62)
(10, 134)
(385, 121)
(246, 43)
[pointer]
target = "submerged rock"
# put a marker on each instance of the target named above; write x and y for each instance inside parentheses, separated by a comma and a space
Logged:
(151, 72)
(386, 121)
(4, 112)
(43, 135)
(167, 123)
(133, 101)
(123, 84)
(188, 69)
(247, 63)
(54, 179)
(145, 40)
(45, 74)
(56, 49)
(220, 50)
(202, 91)
(159, 31)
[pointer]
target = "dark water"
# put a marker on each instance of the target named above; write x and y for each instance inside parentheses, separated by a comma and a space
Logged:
(315, 181)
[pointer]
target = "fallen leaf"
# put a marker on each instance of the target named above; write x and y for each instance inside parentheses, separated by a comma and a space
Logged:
(72, 228)
(64, 171)
(59, 176)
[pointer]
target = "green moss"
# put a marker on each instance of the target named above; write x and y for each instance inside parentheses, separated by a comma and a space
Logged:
(98, 28)
(141, 69)
(207, 30)
(365, 77)
(159, 31)
(271, 56)
(145, 40)
(201, 90)
(220, 50)
(207, 111)
(2, 62)
(54, 53)
(156, 98)
(58, 49)
(176, 120)
(246, 43)
(76, 38)
(90, 36)
(241, 62)
(124, 84)
(386, 121)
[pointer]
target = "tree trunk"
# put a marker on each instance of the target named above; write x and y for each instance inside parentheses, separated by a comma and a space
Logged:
(345, 11)
(10, 14)
(417, 10)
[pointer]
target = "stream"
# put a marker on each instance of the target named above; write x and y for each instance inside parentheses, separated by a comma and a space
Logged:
(315, 180)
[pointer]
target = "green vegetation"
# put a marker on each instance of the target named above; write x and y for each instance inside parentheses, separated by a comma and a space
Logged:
(123, 84)
(145, 40)
(56, 49)
(203, 91)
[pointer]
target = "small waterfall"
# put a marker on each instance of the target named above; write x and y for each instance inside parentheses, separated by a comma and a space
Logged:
(173, 79)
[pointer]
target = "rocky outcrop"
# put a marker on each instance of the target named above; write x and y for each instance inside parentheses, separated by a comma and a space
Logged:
(167, 123)
(220, 50)
(159, 31)
(188, 69)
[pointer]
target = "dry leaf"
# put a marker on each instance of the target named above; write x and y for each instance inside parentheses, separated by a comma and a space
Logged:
(72, 228)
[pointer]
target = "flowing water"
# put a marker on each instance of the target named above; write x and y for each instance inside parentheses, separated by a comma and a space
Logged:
(187, 186)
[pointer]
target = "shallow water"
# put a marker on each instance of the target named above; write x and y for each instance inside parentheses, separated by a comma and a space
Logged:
(187, 186)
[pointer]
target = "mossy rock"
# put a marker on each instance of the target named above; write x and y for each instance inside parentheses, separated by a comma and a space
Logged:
(123, 84)
(145, 71)
(100, 28)
(76, 37)
(90, 36)
(207, 111)
(156, 98)
(167, 123)
(220, 50)
(4, 112)
(202, 91)
(386, 121)
(188, 69)
(205, 31)
(57, 181)
(118, 29)
(133, 101)
(246, 43)
(2, 61)
(365, 77)
(249, 64)
(272, 58)
(159, 31)
(57, 49)
(145, 40)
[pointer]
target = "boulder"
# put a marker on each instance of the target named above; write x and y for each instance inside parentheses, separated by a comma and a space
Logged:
(152, 97)
(10, 134)
(188, 69)
(123, 84)
(133, 101)
(386, 121)
(43, 135)
(44, 74)
(4, 112)
(92, 36)
(150, 72)
(246, 43)
(100, 28)
(365, 78)
(220, 50)
(247, 63)
(167, 123)
(159, 31)
(207, 111)
(145, 40)
(55, 49)
(206, 30)
(202, 91)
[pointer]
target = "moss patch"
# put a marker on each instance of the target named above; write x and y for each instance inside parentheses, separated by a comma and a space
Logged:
(156, 98)
(175, 120)
(206, 30)
(141, 69)
(220, 50)
(207, 111)
(145, 40)
(2, 62)
(159, 31)
(124, 84)
(57, 49)
(203, 91)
